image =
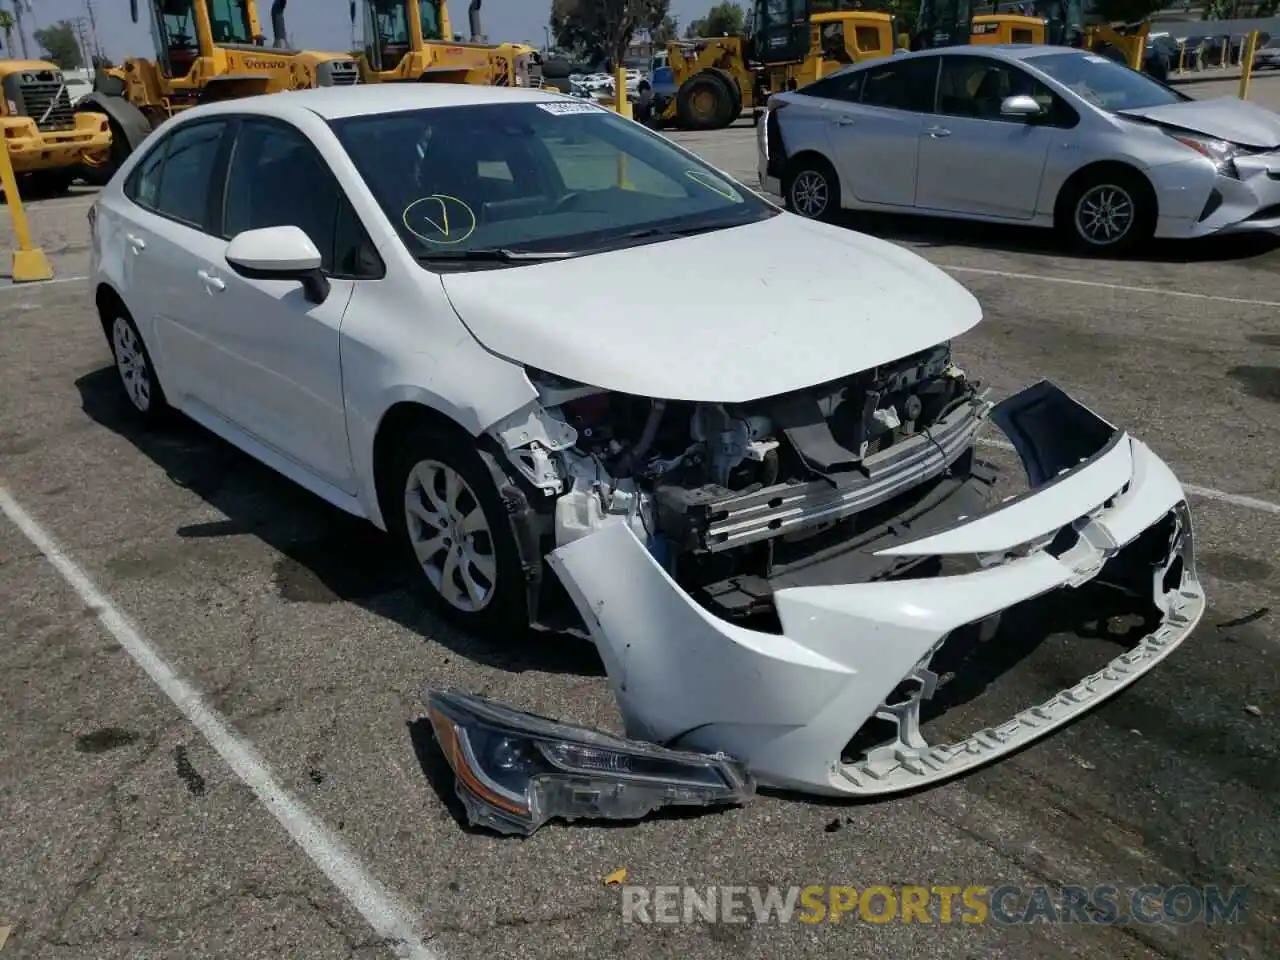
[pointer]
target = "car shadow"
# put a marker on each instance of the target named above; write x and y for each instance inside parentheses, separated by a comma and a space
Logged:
(326, 555)
(927, 232)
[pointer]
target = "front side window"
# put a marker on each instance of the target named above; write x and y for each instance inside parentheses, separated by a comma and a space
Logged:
(230, 21)
(277, 178)
(186, 176)
(562, 176)
(1103, 82)
(901, 84)
(978, 86)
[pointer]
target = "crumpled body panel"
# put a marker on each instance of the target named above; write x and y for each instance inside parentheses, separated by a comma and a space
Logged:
(787, 704)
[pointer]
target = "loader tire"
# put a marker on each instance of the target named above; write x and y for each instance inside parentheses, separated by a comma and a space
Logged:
(735, 91)
(704, 102)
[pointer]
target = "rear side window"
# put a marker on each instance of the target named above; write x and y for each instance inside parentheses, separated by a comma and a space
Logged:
(901, 84)
(144, 183)
(187, 177)
(845, 86)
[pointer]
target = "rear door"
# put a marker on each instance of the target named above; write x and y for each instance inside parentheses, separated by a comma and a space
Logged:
(167, 241)
(874, 129)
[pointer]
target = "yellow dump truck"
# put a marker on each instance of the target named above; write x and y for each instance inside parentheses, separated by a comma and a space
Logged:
(47, 137)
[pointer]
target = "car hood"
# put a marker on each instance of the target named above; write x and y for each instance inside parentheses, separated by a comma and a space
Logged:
(734, 315)
(1225, 118)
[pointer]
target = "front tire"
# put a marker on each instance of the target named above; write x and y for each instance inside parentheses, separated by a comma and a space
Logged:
(443, 508)
(1107, 213)
(812, 189)
(137, 373)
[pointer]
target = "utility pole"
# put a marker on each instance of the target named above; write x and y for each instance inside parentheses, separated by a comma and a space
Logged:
(17, 22)
(78, 26)
(93, 34)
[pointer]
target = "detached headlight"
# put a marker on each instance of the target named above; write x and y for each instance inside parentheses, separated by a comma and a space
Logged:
(1222, 153)
(515, 771)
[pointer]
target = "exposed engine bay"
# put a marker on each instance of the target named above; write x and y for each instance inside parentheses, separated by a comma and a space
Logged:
(735, 499)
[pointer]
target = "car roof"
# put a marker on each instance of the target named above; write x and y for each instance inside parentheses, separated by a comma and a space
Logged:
(334, 103)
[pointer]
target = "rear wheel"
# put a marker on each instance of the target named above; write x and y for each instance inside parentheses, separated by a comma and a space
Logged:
(812, 189)
(133, 364)
(1108, 212)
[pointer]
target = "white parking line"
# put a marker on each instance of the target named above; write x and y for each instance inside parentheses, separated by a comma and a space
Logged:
(1206, 493)
(10, 285)
(1122, 287)
(384, 912)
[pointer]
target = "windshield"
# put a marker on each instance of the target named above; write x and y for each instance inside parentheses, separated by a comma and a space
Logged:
(429, 10)
(535, 177)
(391, 26)
(1103, 82)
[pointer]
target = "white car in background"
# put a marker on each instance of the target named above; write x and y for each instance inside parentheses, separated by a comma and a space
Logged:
(740, 497)
(1043, 136)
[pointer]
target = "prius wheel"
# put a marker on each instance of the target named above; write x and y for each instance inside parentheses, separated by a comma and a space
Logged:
(812, 190)
(456, 534)
(1108, 213)
(137, 373)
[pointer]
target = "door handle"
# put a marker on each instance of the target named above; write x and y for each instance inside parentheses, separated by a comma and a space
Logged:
(937, 132)
(844, 121)
(211, 283)
(136, 244)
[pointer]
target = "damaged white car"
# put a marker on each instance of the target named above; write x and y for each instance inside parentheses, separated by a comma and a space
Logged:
(587, 381)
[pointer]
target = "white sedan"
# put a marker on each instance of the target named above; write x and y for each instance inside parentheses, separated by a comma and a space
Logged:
(418, 301)
(1042, 136)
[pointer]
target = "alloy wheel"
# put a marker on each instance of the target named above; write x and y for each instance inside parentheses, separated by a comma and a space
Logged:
(810, 194)
(450, 535)
(1104, 215)
(131, 361)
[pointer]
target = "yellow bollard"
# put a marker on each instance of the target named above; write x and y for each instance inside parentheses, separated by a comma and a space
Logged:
(620, 101)
(1182, 56)
(29, 261)
(1246, 63)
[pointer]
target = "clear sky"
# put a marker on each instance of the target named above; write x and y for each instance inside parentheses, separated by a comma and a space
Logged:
(313, 24)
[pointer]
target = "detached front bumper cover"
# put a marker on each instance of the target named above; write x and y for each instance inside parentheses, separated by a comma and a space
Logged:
(515, 771)
(1101, 506)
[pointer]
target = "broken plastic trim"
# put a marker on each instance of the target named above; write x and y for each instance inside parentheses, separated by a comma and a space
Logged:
(514, 771)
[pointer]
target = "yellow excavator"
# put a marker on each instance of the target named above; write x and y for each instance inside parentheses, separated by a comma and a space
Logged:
(413, 41)
(46, 135)
(205, 50)
(706, 84)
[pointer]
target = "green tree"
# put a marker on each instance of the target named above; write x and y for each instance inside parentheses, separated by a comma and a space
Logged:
(60, 45)
(722, 19)
(666, 31)
(602, 29)
(6, 26)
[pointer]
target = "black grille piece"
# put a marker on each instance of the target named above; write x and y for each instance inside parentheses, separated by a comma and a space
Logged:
(47, 103)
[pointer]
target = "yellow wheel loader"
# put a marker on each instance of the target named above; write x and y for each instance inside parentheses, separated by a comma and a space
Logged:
(47, 136)
(707, 84)
(413, 41)
(205, 50)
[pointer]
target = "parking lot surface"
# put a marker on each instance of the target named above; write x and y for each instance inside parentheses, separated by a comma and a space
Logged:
(129, 830)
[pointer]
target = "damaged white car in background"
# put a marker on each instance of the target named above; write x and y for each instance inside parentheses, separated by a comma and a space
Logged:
(758, 496)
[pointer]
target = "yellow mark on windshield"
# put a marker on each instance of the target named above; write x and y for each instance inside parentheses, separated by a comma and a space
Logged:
(714, 184)
(440, 219)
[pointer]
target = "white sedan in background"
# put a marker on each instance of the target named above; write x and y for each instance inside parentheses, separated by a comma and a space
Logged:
(417, 301)
(1043, 136)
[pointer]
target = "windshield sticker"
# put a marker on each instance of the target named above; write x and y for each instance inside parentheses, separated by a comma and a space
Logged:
(440, 219)
(570, 109)
(714, 184)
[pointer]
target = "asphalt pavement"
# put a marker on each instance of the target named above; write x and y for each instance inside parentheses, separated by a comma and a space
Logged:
(135, 826)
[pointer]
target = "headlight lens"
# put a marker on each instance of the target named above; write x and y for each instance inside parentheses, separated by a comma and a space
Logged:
(1222, 153)
(515, 771)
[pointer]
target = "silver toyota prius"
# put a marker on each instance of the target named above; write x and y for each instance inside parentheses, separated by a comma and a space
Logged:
(1043, 136)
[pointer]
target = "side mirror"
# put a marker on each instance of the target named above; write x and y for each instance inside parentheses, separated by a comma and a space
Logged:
(279, 253)
(1020, 106)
